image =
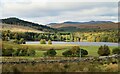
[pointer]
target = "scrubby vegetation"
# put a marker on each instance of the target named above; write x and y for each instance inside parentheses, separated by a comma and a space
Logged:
(116, 50)
(83, 66)
(103, 36)
(60, 49)
(50, 53)
(104, 50)
(16, 50)
(14, 46)
(17, 56)
(75, 52)
(42, 41)
(49, 42)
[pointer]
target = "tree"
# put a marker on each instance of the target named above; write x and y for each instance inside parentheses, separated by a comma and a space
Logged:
(75, 52)
(49, 42)
(98, 39)
(75, 39)
(42, 41)
(104, 39)
(6, 38)
(116, 51)
(16, 36)
(22, 41)
(71, 37)
(67, 53)
(16, 41)
(110, 39)
(104, 50)
(50, 52)
(83, 52)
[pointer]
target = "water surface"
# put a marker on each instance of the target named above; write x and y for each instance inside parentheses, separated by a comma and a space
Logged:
(78, 43)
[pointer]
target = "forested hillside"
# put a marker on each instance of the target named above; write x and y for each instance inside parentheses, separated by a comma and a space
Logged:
(19, 22)
(19, 28)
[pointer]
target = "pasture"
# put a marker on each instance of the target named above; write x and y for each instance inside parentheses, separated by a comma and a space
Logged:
(60, 48)
(41, 48)
(49, 46)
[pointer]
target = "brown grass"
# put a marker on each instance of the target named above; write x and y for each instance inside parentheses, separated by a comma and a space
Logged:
(47, 46)
(16, 28)
(101, 26)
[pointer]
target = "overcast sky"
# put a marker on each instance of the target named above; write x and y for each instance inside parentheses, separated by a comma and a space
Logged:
(44, 12)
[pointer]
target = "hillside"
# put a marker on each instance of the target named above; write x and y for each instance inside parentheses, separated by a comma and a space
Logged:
(17, 28)
(92, 25)
(16, 24)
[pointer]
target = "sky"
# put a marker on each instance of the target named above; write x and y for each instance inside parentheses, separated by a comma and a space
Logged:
(58, 11)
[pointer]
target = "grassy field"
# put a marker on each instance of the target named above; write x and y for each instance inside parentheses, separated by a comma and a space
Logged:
(41, 48)
(60, 48)
(40, 53)
(48, 46)
(92, 50)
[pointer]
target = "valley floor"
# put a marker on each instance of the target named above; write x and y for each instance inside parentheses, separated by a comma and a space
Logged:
(39, 63)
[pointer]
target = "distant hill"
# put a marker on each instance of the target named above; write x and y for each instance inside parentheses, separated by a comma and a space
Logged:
(21, 24)
(90, 22)
(18, 25)
(18, 28)
(78, 26)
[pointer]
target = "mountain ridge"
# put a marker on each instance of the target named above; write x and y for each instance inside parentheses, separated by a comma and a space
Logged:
(89, 22)
(92, 25)
(17, 21)
(65, 26)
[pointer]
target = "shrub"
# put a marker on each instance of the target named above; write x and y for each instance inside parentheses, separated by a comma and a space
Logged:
(21, 51)
(16, 41)
(81, 52)
(7, 51)
(50, 52)
(116, 51)
(67, 53)
(49, 42)
(84, 52)
(22, 41)
(42, 41)
(75, 52)
(16, 52)
(104, 50)
(26, 52)
(31, 52)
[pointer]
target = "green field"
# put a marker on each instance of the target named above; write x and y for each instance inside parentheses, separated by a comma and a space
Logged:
(41, 48)
(92, 50)
(60, 48)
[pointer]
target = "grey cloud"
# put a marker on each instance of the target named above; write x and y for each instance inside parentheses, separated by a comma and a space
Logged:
(61, 11)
